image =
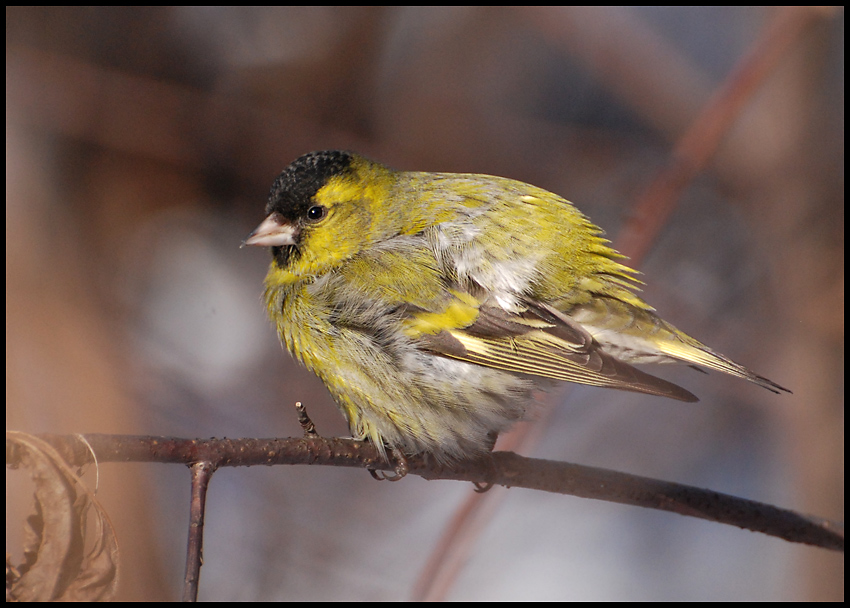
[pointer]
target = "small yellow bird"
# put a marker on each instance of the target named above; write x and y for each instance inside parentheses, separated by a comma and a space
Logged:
(432, 304)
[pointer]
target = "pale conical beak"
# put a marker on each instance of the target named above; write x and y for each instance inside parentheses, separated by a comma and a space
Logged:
(274, 231)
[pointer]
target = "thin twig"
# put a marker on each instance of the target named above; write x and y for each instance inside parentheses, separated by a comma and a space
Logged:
(202, 473)
(304, 420)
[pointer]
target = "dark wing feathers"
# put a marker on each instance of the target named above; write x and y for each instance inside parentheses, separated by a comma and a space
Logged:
(542, 341)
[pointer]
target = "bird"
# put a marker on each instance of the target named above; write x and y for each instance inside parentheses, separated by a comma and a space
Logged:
(434, 305)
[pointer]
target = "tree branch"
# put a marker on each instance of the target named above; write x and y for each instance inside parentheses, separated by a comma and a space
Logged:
(502, 468)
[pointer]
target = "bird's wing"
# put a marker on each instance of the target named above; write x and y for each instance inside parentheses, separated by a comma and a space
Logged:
(539, 341)
(401, 282)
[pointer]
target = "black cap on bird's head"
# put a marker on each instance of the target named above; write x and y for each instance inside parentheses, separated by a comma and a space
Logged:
(291, 199)
(298, 183)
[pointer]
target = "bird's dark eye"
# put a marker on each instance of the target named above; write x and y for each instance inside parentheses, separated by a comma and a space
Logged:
(316, 212)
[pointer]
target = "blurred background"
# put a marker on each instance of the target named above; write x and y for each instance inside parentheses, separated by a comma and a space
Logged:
(140, 146)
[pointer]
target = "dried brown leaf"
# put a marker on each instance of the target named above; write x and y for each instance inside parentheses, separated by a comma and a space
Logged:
(63, 558)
